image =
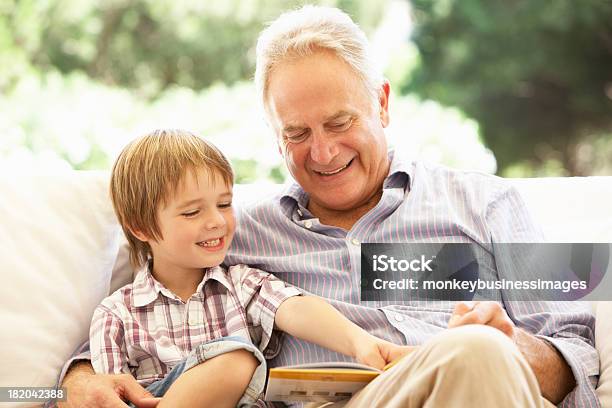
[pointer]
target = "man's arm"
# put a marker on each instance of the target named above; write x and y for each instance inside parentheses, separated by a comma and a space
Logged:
(550, 368)
(568, 326)
(85, 389)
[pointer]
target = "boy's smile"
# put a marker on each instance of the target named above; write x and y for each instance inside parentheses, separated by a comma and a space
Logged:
(213, 244)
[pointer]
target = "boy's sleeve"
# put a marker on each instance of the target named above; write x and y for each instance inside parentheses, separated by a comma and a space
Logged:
(260, 294)
(106, 342)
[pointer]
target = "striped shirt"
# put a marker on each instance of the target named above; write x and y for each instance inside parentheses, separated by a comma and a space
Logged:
(420, 203)
(144, 329)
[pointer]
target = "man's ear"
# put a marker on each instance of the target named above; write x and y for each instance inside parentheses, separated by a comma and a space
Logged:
(383, 102)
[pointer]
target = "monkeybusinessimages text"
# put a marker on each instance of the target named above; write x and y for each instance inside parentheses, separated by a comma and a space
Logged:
(385, 263)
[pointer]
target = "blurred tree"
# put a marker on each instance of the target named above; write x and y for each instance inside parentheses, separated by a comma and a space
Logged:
(146, 45)
(536, 75)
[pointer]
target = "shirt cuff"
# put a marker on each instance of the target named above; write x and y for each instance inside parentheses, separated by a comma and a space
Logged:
(584, 363)
(81, 354)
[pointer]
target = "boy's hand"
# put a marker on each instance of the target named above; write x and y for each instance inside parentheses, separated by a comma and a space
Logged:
(378, 353)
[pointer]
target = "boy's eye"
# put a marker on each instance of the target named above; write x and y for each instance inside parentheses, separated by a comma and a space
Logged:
(190, 214)
(225, 205)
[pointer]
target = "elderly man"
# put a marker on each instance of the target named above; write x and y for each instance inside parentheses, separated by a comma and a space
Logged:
(328, 106)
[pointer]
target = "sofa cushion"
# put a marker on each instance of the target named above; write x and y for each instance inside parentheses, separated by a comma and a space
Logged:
(58, 242)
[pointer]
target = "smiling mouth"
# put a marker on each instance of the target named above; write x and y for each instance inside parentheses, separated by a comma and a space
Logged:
(331, 173)
(210, 243)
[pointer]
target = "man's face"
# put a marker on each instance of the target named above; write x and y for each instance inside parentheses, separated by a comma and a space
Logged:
(329, 131)
(197, 225)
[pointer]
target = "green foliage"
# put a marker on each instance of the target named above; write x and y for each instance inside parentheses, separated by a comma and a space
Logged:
(537, 76)
(79, 79)
(72, 121)
(145, 45)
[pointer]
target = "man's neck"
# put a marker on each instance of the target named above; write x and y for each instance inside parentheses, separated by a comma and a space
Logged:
(344, 218)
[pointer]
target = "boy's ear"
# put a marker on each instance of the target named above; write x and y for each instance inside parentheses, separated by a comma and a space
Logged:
(139, 234)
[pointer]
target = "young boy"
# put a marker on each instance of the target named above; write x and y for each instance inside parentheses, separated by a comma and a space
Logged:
(186, 328)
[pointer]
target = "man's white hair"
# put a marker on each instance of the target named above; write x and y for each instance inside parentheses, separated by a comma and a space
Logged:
(304, 31)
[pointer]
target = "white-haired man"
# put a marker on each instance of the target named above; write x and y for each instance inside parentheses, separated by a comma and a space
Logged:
(328, 106)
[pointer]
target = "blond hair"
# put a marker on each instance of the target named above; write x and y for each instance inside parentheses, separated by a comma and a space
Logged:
(148, 171)
(303, 32)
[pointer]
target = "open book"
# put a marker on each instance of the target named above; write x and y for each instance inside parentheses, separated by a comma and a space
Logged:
(319, 381)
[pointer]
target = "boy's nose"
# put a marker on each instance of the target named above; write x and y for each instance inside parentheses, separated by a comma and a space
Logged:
(215, 221)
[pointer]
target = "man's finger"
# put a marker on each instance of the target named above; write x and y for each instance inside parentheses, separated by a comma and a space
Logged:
(150, 402)
(136, 394)
(460, 310)
(482, 313)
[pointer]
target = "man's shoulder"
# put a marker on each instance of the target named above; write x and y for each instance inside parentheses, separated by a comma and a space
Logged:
(259, 199)
(465, 182)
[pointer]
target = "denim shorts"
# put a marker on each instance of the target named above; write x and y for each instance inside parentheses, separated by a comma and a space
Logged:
(214, 348)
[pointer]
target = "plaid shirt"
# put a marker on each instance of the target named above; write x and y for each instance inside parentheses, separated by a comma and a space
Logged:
(145, 329)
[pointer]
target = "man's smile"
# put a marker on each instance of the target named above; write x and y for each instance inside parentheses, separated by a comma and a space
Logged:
(335, 171)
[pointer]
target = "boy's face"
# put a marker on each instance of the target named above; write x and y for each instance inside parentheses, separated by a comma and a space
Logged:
(197, 225)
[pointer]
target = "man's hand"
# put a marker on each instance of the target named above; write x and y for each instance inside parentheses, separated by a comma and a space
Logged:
(88, 390)
(550, 368)
(487, 313)
(377, 353)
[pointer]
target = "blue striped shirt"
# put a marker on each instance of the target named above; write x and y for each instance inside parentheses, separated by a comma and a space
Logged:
(420, 203)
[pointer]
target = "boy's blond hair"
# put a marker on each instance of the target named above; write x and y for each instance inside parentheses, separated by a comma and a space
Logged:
(148, 171)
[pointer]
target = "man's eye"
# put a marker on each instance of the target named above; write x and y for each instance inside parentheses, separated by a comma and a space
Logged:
(296, 137)
(225, 205)
(341, 126)
(190, 214)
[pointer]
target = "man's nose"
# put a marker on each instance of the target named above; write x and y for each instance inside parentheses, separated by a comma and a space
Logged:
(214, 220)
(323, 149)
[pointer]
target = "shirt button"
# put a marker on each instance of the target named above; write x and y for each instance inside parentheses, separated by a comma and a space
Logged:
(354, 242)
(308, 224)
(399, 317)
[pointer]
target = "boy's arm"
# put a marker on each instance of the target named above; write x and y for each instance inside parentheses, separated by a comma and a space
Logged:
(314, 320)
(107, 342)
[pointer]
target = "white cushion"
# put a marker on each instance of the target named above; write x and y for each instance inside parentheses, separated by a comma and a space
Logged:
(58, 242)
(570, 209)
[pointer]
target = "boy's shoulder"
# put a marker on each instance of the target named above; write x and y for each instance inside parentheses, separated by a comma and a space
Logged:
(120, 302)
(239, 273)
(126, 299)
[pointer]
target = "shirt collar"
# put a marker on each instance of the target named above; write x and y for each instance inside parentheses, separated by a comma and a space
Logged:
(147, 289)
(400, 176)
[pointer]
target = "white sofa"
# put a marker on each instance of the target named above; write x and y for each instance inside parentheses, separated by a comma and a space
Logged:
(59, 243)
